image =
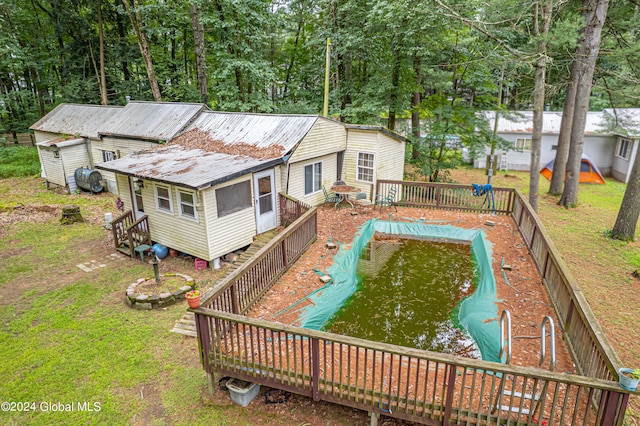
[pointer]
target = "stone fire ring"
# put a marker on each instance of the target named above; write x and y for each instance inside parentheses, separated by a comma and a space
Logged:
(152, 301)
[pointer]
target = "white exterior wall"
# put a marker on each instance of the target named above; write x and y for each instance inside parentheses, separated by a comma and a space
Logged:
(122, 147)
(45, 136)
(230, 232)
(170, 229)
(388, 158)
(599, 148)
(621, 167)
(324, 138)
(74, 157)
(52, 167)
(296, 178)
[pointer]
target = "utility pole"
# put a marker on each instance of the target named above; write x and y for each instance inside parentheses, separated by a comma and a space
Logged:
(326, 79)
(491, 160)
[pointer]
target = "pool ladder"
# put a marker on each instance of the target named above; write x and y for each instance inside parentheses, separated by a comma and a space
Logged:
(505, 326)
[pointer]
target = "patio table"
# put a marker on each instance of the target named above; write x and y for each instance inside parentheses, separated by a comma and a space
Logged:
(343, 192)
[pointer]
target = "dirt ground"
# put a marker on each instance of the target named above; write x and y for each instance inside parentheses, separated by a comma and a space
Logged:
(523, 295)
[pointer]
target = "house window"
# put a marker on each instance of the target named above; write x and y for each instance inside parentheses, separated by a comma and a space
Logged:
(56, 154)
(522, 144)
(187, 205)
(624, 148)
(312, 178)
(163, 199)
(108, 156)
(233, 198)
(365, 166)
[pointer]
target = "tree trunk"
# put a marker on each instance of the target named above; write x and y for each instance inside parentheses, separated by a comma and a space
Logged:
(543, 13)
(595, 15)
(393, 98)
(136, 22)
(416, 99)
(625, 226)
(103, 77)
(200, 48)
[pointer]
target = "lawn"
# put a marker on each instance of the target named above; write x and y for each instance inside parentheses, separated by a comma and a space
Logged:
(76, 354)
(602, 267)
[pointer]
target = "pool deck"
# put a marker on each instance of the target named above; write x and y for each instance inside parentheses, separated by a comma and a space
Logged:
(519, 286)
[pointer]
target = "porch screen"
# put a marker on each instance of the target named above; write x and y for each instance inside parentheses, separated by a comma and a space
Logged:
(233, 198)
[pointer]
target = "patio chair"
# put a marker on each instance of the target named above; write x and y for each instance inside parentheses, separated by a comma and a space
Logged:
(330, 197)
(361, 200)
(388, 200)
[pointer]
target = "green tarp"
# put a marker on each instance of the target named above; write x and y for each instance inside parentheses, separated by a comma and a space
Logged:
(478, 313)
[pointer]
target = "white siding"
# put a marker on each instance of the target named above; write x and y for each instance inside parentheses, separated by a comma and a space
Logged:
(74, 157)
(120, 146)
(122, 183)
(44, 136)
(230, 232)
(172, 230)
(621, 168)
(325, 137)
(599, 148)
(169, 229)
(53, 167)
(296, 178)
(388, 152)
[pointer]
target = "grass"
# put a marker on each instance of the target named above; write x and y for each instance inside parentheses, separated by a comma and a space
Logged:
(66, 336)
(18, 161)
(602, 267)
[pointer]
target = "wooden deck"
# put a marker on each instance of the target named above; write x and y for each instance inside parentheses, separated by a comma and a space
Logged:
(187, 324)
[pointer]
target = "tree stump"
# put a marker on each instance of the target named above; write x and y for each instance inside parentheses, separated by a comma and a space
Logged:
(71, 214)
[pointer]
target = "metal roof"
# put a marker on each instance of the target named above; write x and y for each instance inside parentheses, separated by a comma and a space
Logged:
(522, 122)
(159, 121)
(62, 142)
(623, 121)
(381, 129)
(192, 168)
(73, 119)
(259, 130)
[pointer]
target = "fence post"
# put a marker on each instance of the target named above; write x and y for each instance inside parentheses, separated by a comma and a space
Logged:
(315, 369)
(611, 414)
(451, 383)
(283, 246)
(234, 298)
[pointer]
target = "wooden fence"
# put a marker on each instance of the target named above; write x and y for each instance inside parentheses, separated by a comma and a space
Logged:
(591, 350)
(405, 383)
(290, 209)
(448, 197)
(26, 139)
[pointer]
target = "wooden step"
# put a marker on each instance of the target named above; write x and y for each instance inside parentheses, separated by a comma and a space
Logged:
(187, 324)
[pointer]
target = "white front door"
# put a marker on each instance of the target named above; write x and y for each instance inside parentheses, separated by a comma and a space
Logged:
(135, 187)
(264, 191)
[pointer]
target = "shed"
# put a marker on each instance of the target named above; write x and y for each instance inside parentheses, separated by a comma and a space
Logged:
(64, 137)
(61, 157)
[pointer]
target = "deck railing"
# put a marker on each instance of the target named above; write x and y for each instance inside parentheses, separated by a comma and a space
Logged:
(290, 209)
(129, 233)
(591, 350)
(448, 196)
(243, 288)
(410, 384)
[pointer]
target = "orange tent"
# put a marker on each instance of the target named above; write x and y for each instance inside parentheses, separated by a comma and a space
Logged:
(588, 171)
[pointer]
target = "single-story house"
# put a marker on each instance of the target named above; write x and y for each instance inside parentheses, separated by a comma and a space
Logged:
(214, 186)
(610, 140)
(64, 137)
(73, 136)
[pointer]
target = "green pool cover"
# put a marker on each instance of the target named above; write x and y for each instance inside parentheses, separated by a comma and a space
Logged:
(478, 313)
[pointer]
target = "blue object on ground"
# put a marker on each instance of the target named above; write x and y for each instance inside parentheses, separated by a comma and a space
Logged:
(160, 250)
